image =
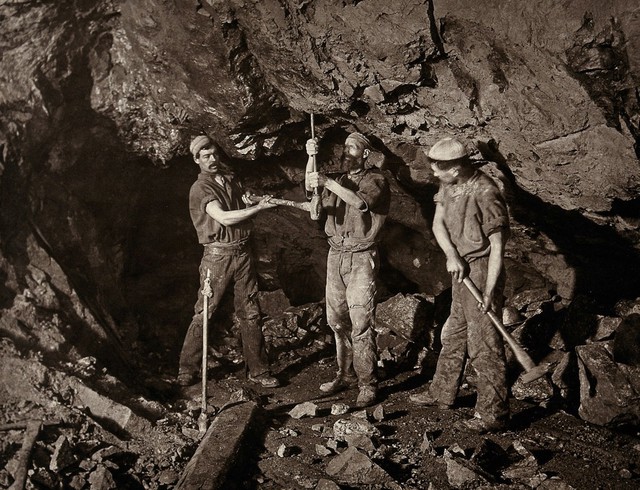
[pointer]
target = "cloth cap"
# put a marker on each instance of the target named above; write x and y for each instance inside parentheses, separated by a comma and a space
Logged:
(198, 143)
(447, 149)
(361, 138)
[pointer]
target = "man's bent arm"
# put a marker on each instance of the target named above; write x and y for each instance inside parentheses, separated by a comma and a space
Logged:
(229, 218)
(347, 195)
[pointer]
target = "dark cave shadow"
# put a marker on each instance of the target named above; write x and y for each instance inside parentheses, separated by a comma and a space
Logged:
(412, 382)
(302, 362)
(605, 263)
(396, 414)
(525, 418)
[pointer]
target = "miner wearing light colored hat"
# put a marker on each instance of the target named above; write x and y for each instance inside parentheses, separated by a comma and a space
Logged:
(471, 225)
(221, 213)
(356, 204)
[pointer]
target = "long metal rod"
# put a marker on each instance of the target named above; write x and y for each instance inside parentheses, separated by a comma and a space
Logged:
(314, 210)
(206, 293)
(283, 202)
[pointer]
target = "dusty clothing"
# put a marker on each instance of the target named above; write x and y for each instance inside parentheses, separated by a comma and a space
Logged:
(229, 195)
(469, 331)
(352, 267)
(227, 254)
(472, 212)
(352, 228)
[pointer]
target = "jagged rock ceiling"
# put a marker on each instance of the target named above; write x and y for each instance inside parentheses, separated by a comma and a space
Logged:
(99, 101)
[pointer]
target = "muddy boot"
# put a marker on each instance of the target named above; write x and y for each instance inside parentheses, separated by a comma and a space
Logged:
(266, 380)
(367, 396)
(426, 399)
(187, 379)
(339, 384)
(476, 424)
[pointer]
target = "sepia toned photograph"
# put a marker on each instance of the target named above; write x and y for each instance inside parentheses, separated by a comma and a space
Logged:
(319, 244)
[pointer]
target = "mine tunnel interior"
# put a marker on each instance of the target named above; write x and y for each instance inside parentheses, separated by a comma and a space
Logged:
(99, 102)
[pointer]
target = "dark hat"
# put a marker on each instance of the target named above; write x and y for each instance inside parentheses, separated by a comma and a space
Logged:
(362, 139)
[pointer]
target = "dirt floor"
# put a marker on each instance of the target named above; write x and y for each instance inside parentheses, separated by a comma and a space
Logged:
(283, 453)
(411, 448)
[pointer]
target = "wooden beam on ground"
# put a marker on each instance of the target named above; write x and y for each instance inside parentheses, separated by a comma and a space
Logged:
(216, 454)
(24, 455)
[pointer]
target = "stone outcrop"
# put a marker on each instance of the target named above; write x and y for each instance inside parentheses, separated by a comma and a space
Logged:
(608, 390)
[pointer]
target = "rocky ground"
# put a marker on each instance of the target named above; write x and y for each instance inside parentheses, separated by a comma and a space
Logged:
(99, 433)
(404, 446)
(98, 103)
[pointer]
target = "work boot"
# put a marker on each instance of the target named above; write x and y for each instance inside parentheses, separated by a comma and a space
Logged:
(476, 424)
(339, 384)
(366, 396)
(186, 379)
(266, 380)
(426, 399)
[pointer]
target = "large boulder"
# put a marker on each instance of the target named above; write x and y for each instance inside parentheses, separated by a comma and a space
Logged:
(609, 390)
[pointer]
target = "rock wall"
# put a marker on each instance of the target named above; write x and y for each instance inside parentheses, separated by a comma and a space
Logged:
(99, 101)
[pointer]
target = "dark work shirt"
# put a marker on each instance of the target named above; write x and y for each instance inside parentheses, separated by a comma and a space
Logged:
(348, 224)
(229, 195)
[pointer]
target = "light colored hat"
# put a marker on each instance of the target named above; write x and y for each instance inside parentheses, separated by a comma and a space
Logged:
(198, 143)
(361, 138)
(447, 149)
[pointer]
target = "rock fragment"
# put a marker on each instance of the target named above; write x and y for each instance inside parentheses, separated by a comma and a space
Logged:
(353, 426)
(306, 409)
(339, 409)
(62, 455)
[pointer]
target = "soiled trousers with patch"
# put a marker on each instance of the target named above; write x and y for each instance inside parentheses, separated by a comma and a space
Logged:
(468, 331)
(350, 296)
(228, 266)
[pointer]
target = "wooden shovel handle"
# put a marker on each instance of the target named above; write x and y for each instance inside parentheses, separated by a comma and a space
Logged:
(521, 355)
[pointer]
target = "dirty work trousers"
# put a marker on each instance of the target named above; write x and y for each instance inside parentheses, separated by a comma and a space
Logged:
(468, 331)
(228, 265)
(350, 296)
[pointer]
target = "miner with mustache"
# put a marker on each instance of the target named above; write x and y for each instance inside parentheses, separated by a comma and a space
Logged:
(355, 204)
(220, 211)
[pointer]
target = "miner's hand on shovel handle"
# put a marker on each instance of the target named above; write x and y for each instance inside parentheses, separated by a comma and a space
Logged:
(532, 371)
(316, 203)
(206, 293)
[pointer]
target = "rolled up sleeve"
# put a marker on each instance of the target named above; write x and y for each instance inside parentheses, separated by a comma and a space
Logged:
(494, 211)
(372, 191)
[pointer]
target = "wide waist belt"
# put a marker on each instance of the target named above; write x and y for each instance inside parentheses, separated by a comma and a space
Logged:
(342, 244)
(231, 248)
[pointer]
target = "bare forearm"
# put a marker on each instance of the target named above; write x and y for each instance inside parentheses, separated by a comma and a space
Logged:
(443, 238)
(345, 194)
(456, 265)
(496, 263)
(309, 168)
(229, 218)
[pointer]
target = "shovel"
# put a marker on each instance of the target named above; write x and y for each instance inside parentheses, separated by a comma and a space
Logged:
(206, 293)
(531, 370)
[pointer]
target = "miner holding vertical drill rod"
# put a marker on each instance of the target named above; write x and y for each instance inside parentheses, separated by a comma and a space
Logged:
(356, 205)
